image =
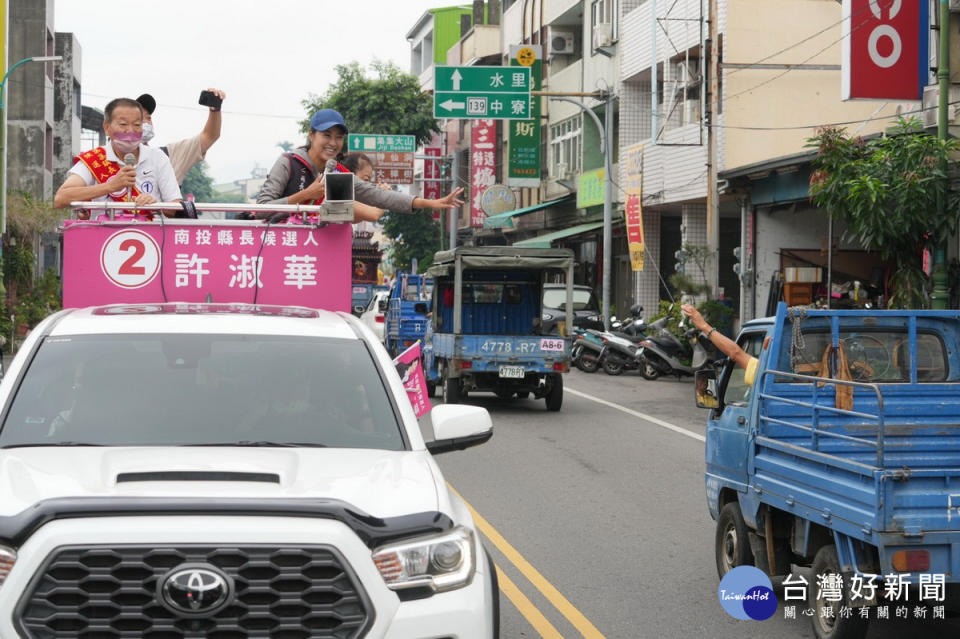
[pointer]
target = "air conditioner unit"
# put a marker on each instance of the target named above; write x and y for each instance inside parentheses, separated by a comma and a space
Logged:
(561, 42)
(602, 34)
(931, 103)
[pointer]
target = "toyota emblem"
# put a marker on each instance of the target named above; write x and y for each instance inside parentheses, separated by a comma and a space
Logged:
(195, 590)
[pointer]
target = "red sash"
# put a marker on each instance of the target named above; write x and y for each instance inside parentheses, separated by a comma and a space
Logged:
(103, 169)
(340, 169)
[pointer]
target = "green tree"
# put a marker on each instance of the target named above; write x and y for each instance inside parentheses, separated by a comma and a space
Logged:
(885, 190)
(414, 236)
(386, 101)
(198, 182)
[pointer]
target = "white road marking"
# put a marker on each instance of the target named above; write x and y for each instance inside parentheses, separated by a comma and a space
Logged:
(643, 416)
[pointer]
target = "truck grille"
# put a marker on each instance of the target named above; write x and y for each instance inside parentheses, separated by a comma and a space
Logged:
(113, 593)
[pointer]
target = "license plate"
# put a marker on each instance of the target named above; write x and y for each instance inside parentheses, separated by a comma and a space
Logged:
(513, 372)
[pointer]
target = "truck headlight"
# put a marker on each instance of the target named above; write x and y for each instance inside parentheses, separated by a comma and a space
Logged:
(8, 557)
(440, 562)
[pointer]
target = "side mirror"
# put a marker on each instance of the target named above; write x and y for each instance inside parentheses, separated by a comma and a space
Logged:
(383, 305)
(457, 427)
(706, 388)
(420, 307)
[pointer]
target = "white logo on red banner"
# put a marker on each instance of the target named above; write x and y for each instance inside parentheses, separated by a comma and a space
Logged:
(130, 258)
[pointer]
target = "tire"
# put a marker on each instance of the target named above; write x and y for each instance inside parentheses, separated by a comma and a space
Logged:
(451, 390)
(554, 396)
(588, 362)
(648, 370)
(732, 542)
(612, 365)
(837, 627)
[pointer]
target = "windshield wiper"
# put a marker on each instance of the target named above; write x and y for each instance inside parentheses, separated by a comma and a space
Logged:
(264, 444)
(46, 444)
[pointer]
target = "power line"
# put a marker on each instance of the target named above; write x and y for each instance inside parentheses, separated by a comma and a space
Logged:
(825, 124)
(797, 44)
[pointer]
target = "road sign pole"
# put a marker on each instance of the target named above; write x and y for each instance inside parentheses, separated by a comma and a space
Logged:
(455, 178)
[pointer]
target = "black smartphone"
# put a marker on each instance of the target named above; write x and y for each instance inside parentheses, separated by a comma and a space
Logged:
(210, 99)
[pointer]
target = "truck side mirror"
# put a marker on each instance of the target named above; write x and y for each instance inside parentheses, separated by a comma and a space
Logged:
(706, 388)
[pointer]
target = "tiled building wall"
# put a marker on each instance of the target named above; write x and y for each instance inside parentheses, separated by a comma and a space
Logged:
(646, 282)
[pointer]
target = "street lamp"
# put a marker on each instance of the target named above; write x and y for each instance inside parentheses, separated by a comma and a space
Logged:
(3, 134)
(606, 148)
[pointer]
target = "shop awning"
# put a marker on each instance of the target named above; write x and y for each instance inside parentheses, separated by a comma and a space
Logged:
(543, 241)
(505, 220)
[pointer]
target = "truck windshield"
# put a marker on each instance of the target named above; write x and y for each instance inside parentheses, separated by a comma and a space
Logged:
(873, 355)
(557, 298)
(186, 389)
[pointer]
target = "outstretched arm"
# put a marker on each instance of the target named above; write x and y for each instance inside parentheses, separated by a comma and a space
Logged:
(726, 345)
(211, 131)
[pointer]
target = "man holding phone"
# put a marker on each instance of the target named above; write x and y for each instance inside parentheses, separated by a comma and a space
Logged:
(184, 154)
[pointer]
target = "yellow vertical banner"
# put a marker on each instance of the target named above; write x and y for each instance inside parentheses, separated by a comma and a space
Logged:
(633, 209)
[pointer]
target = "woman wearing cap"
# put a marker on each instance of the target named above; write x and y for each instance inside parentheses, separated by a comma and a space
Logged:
(297, 177)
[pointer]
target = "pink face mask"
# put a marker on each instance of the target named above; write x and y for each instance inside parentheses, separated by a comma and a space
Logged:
(126, 142)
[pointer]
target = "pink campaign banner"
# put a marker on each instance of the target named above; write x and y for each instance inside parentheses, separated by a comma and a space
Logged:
(411, 372)
(285, 264)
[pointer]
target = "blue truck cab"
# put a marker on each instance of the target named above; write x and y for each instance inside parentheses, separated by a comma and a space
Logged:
(843, 455)
(486, 332)
(407, 309)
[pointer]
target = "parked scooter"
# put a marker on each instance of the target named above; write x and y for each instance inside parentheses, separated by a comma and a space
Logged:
(665, 354)
(622, 344)
(588, 350)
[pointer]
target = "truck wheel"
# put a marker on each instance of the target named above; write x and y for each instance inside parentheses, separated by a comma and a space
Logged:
(834, 627)
(554, 396)
(732, 544)
(612, 366)
(451, 390)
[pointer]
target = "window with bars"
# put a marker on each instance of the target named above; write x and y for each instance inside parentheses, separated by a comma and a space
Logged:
(565, 139)
(603, 23)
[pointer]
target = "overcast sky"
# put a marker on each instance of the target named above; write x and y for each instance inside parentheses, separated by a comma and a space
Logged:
(267, 56)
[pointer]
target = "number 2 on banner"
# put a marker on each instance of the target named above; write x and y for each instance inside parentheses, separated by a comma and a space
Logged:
(130, 259)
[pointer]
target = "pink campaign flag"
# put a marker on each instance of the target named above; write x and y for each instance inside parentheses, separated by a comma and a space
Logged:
(411, 372)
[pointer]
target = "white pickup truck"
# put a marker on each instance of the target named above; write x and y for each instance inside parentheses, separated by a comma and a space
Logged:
(201, 470)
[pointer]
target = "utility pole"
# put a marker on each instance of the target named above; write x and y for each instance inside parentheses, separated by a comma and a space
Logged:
(938, 299)
(713, 204)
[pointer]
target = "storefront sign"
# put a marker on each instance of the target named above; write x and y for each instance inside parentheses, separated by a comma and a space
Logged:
(431, 171)
(483, 166)
(524, 135)
(885, 49)
(287, 264)
(590, 188)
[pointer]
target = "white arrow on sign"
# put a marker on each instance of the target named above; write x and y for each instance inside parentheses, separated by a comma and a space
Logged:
(456, 77)
(450, 105)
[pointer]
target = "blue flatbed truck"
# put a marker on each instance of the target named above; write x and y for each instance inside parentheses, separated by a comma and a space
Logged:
(844, 455)
(486, 331)
(407, 309)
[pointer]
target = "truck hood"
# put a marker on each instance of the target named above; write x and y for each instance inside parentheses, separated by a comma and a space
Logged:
(380, 483)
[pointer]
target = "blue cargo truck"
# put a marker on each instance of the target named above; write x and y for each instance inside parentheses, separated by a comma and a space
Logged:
(487, 331)
(843, 455)
(407, 308)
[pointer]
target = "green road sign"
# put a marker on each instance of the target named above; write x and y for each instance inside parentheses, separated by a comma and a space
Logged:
(496, 93)
(387, 143)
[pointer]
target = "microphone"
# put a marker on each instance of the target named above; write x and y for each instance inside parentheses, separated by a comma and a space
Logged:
(130, 160)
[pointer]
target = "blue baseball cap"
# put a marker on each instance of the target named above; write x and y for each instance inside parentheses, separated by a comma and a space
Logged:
(327, 119)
